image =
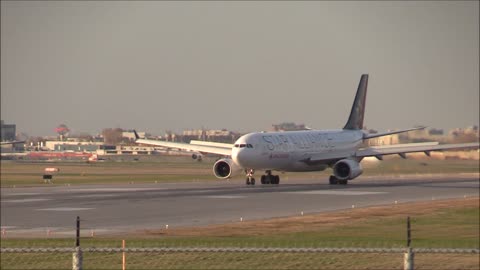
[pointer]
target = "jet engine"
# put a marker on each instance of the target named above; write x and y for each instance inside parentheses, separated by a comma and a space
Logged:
(347, 169)
(225, 168)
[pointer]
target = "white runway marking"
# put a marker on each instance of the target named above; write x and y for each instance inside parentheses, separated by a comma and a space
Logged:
(21, 194)
(64, 209)
(26, 200)
(95, 196)
(225, 197)
(7, 227)
(113, 189)
(340, 192)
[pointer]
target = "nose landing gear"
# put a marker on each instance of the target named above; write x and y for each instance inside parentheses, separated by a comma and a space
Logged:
(250, 180)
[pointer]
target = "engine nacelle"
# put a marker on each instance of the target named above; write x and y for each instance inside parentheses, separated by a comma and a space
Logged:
(225, 168)
(347, 169)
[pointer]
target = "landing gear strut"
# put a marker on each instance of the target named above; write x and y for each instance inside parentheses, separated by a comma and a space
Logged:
(250, 180)
(335, 181)
(268, 178)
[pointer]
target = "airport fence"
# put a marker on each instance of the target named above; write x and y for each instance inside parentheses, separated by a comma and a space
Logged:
(238, 258)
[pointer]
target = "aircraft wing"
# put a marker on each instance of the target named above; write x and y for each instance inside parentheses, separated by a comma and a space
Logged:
(190, 147)
(379, 151)
(410, 148)
(215, 144)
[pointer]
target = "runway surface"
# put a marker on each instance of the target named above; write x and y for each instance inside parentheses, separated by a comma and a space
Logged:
(106, 209)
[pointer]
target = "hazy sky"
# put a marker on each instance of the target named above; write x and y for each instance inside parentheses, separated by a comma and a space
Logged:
(242, 65)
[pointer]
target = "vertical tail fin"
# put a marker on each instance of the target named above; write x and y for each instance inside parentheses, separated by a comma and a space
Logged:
(355, 121)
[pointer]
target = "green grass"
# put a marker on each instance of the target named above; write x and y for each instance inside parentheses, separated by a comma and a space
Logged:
(446, 228)
(177, 169)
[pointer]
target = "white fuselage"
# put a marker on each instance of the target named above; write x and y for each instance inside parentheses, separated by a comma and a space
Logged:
(290, 151)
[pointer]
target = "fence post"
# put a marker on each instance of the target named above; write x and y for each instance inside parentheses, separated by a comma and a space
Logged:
(77, 262)
(408, 259)
(124, 262)
(409, 256)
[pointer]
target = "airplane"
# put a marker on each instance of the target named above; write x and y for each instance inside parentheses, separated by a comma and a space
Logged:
(306, 150)
(11, 142)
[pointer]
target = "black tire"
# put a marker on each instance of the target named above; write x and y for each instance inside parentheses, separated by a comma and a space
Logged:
(262, 179)
(343, 182)
(252, 181)
(268, 179)
(247, 181)
(276, 180)
(333, 180)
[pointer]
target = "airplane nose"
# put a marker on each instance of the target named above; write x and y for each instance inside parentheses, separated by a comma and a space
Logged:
(239, 157)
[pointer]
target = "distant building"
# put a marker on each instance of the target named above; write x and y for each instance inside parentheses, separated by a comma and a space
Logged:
(384, 140)
(74, 146)
(288, 126)
(435, 131)
(217, 135)
(8, 132)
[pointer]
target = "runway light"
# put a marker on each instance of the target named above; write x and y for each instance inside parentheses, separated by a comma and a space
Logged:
(241, 219)
(301, 213)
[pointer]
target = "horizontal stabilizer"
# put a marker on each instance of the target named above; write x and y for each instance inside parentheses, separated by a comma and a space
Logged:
(376, 135)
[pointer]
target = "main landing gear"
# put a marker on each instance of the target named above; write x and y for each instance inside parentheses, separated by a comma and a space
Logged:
(335, 181)
(267, 178)
(270, 179)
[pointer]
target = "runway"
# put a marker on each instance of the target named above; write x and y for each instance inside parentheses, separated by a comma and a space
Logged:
(113, 209)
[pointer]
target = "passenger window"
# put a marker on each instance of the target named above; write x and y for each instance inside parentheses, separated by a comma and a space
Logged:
(236, 145)
(242, 145)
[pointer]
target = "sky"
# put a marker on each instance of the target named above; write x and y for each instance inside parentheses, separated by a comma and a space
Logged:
(245, 65)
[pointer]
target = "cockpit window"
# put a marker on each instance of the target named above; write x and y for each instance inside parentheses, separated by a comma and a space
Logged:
(243, 145)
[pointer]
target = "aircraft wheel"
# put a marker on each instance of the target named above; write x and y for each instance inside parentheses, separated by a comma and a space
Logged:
(268, 179)
(248, 181)
(252, 181)
(262, 180)
(343, 182)
(333, 180)
(276, 180)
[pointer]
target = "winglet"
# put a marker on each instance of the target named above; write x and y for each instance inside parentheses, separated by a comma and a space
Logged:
(355, 121)
(136, 135)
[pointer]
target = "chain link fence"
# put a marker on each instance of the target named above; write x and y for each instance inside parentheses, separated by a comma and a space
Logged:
(237, 258)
